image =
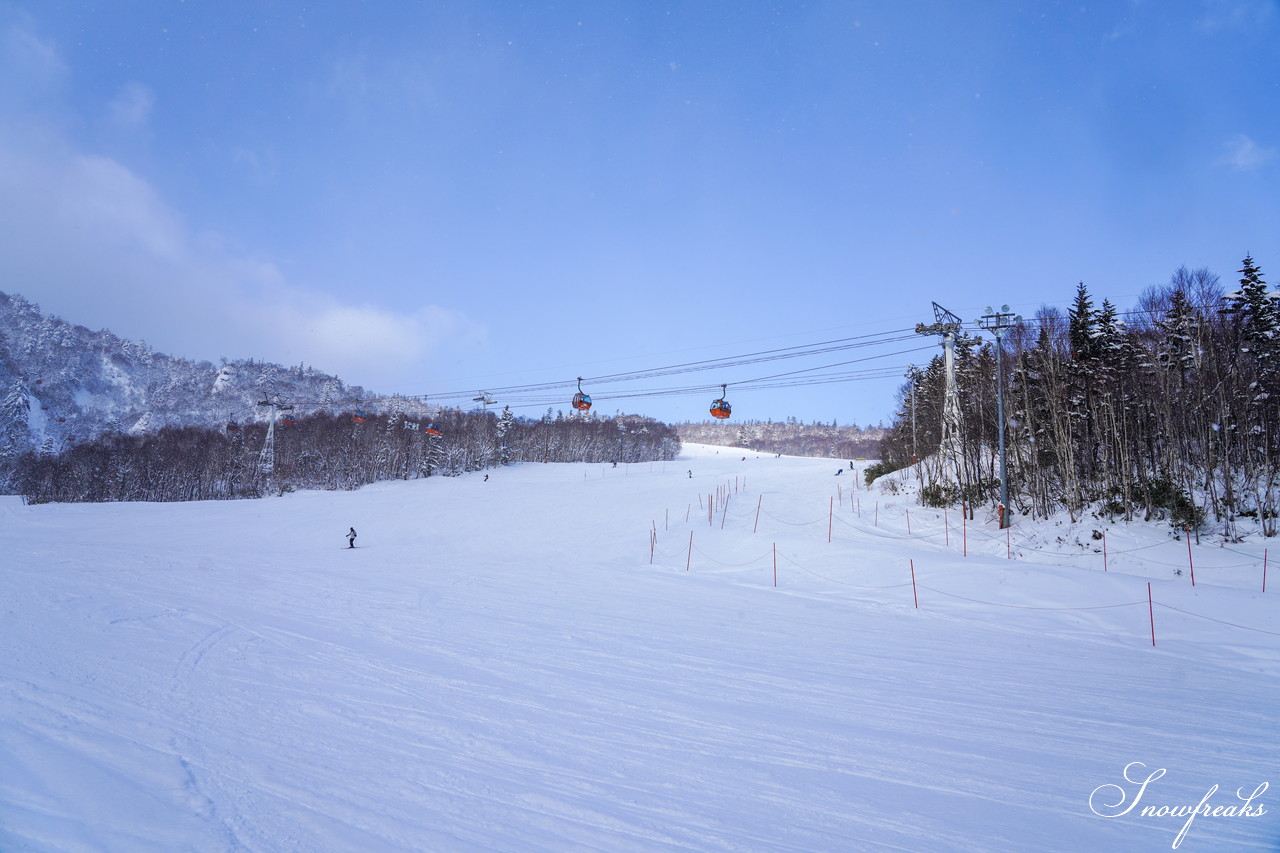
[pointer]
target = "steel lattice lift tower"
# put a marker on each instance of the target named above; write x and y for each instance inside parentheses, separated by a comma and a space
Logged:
(947, 326)
(267, 459)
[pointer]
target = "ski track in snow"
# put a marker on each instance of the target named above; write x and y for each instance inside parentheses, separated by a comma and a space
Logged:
(498, 667)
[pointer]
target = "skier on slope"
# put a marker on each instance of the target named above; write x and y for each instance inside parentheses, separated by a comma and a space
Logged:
(351, 538)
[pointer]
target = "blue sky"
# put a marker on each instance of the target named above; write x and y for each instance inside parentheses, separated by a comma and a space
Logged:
(438, 197)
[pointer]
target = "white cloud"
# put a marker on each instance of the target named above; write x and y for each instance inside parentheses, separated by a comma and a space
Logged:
(93, 241)
(1243, 154)
(115, 210)
(258, 165)
(1232, 14)
(130, 109)
(30, 67)
(365, 344)
(362, 84)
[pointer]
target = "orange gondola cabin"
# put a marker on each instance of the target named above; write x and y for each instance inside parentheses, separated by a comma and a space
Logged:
(432, 429)
(720, 408)
(358, 417)
(581, 401)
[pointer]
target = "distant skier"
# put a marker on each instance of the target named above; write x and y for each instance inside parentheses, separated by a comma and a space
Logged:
(839, 471)
(351, 538)
(486, 478)
(690, 473)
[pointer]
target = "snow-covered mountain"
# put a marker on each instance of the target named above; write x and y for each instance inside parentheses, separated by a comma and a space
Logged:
(61, 383)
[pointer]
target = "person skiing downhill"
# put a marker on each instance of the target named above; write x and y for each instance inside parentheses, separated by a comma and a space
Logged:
(351, 538)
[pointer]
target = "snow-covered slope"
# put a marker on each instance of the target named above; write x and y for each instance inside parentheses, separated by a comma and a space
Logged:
(499, 666)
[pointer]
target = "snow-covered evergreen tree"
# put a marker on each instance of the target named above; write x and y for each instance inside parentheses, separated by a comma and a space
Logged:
(1257, 310)
(15, 410)
(502, 433)
(1083, 323)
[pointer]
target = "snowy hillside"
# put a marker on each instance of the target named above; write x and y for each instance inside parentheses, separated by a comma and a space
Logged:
(554, 657)
(61, 384)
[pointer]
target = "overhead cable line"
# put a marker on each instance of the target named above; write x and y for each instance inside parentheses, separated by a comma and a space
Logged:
(800, 351)
(550, 393)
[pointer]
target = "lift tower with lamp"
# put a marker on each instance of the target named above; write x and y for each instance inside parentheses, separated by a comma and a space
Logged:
(998, 322)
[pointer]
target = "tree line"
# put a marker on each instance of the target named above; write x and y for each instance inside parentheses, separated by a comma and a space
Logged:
(790, 437)
(1170, 410)
(327, 451)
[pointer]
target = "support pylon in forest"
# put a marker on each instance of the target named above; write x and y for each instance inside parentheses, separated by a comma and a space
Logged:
(947, 326)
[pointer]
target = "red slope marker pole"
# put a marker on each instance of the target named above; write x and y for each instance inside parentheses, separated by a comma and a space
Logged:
(1151, 611)
(1191, 564)
(759, 501)
(689, 559)
(1264, 569)
(914, 595)
(908, 522)
(831, 504)
(1104, 550)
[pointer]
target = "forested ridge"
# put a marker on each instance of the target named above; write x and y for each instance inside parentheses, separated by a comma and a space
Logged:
(62, 384)
(328, 451)
(89, 416)
(1170, 409)
(790, 437)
